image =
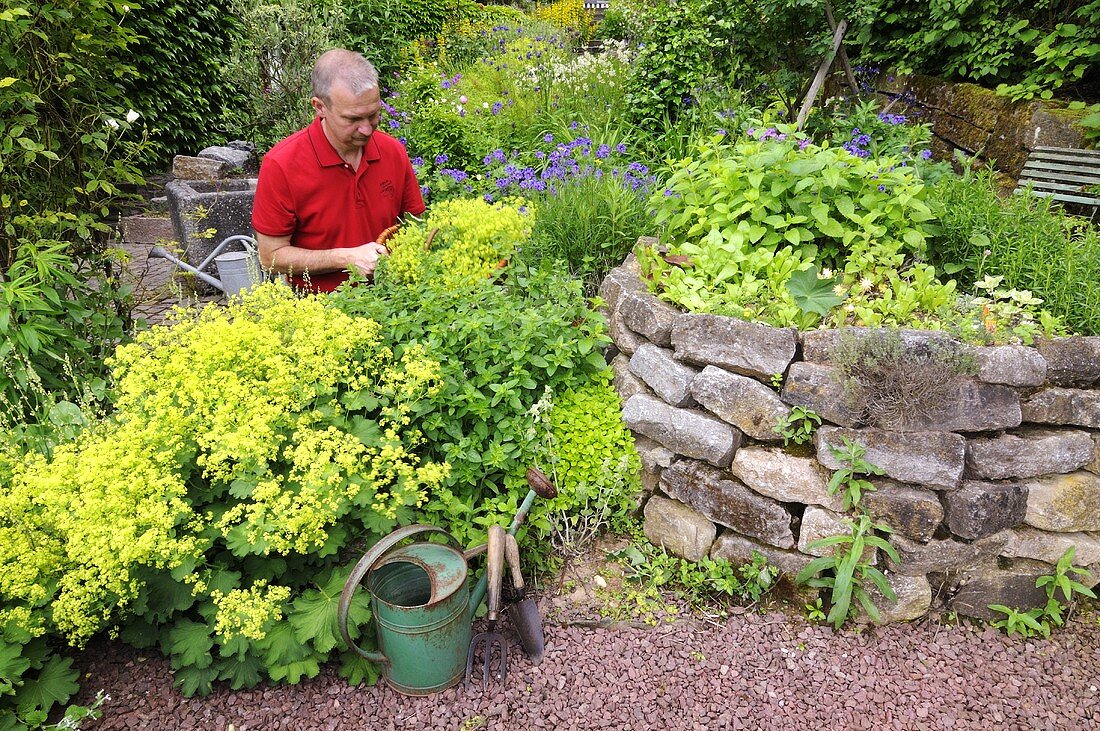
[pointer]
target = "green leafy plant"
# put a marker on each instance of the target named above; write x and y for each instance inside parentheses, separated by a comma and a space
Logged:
(1033, 245)
(798, 426)
(815, 612)
(848, 573)
(847, 480)
(651, 570)
(1038, 620)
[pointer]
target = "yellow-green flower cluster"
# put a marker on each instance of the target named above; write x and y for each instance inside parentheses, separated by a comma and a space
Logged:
(261, 425)
(568, 14)
(249, 612)
(473, 240)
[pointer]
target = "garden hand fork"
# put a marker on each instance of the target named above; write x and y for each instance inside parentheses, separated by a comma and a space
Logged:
(491, 644)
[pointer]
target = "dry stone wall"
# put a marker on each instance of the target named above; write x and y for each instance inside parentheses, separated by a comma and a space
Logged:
(985, 488)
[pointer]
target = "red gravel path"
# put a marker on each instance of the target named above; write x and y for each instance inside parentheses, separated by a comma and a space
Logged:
(755, 671)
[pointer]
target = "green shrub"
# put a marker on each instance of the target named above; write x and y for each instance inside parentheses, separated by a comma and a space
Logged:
(1024, 240)
(592, 458)
(66, 150)
(1029, 48)
(180, 83)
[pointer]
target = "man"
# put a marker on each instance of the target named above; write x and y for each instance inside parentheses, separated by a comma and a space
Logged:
(327, 192)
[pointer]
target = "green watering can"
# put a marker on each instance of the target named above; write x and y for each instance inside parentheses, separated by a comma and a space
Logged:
(423, 607)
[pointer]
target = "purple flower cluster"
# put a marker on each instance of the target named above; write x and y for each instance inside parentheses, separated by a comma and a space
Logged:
(892, 118)
(448, 83)
(858, 144)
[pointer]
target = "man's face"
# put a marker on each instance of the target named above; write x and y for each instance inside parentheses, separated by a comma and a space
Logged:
(350, 120)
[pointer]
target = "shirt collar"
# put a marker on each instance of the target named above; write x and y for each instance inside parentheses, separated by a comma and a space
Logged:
(327, 155)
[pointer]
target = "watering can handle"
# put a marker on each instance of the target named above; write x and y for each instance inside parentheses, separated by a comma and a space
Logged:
(366, 564)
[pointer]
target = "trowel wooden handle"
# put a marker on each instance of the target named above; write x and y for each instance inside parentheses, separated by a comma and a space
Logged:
(511, 555)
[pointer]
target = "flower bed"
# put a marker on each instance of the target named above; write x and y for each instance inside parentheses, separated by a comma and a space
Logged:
(990, 471)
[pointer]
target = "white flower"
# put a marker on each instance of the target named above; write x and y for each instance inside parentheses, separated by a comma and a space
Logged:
(866, 284)
(485, 105)
(462, 99)
(132, 116)
(112, 123)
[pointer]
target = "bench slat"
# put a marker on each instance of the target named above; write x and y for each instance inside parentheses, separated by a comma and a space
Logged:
(1066, 198)
(1071, 151)
(1053, 170)
(1048, 185)
(1038, 176)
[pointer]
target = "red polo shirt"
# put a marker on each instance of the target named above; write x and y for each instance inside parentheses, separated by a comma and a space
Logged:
(308, 192)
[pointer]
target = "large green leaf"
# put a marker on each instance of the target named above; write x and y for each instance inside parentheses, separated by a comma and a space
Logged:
(313, 615)
(56, 683)
(189, 643)
(813, 294)
(193, 680)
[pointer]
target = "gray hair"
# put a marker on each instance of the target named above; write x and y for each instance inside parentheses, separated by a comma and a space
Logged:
(347, 67)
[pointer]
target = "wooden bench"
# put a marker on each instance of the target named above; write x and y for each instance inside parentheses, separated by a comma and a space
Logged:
(1064, 174)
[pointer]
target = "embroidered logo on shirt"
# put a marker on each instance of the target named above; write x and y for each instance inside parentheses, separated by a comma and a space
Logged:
(386, 188)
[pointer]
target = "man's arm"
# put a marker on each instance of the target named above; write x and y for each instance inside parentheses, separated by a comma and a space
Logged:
(277, 255)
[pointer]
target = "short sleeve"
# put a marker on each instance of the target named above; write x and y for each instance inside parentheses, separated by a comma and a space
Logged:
(273, 208)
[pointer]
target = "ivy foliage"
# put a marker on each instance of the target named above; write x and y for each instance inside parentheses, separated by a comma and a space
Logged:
(1027, 49)
(179, 82)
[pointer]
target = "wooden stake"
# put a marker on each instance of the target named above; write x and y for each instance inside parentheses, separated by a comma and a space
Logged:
(822, 70)
(843, 54)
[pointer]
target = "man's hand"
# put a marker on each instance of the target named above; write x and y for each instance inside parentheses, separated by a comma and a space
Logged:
(365, 258)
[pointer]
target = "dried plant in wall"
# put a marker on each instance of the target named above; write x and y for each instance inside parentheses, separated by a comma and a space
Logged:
(894, 383)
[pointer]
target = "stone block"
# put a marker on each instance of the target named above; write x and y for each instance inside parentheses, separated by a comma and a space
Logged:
(938, 556)
(1041, 545)
(968, 406)
(1094, 463)
(1028, 453)
(738, 549)
(618, 280)
(1064, 503)
(935, 459)
(650, 480)
(204, 213)
(625, 339)
(974, 589)
(819, 523)
(654, 456)
(626, 383)
(669, 378)
(186, 167)
(648, 316)
(818, 345)
(147, 229)
(1011, 365)
(677, 528)
(724, 500)
(684, 431)
(913, 597)
(913, 512)
(819, 388)
(745, 348)
(784, 477)
(1067, 406)
(980, 509)
(744, 402)
(238, 158)
(1072, 362)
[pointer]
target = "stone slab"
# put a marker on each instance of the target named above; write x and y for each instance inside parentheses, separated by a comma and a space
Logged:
(973, 590)
(979, 509)
(1064, 503)
(677, 528)
(744, 402)
(724, 500)
(738, 549)
(626, 383)
(942, 555)
(741, 347)
(187, 167)
(684, 431)
(819, 388)
(669, 378)
(908, 510)
(1011, 365)
(1072, 362)
(819, 523)
(1041, 545)
(934, 459)
(785, 477)
(1063, 406)
(912, 598)
(648, 316)
(1028, 453)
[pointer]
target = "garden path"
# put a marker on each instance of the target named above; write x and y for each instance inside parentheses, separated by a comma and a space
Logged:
(752, 671)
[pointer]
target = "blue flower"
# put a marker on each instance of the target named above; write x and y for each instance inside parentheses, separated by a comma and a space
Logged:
(548, 137)
(926, 154)
(488, 197)
(441, 158)
(417, 161)
(497, 106)
(394, 124)
(882, 188)
(620, 148)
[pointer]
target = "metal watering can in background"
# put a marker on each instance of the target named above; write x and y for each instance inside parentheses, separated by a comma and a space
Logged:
(422, 604)
(239, 270)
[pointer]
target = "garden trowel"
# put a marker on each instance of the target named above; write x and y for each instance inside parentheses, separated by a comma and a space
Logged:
(522, 609)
